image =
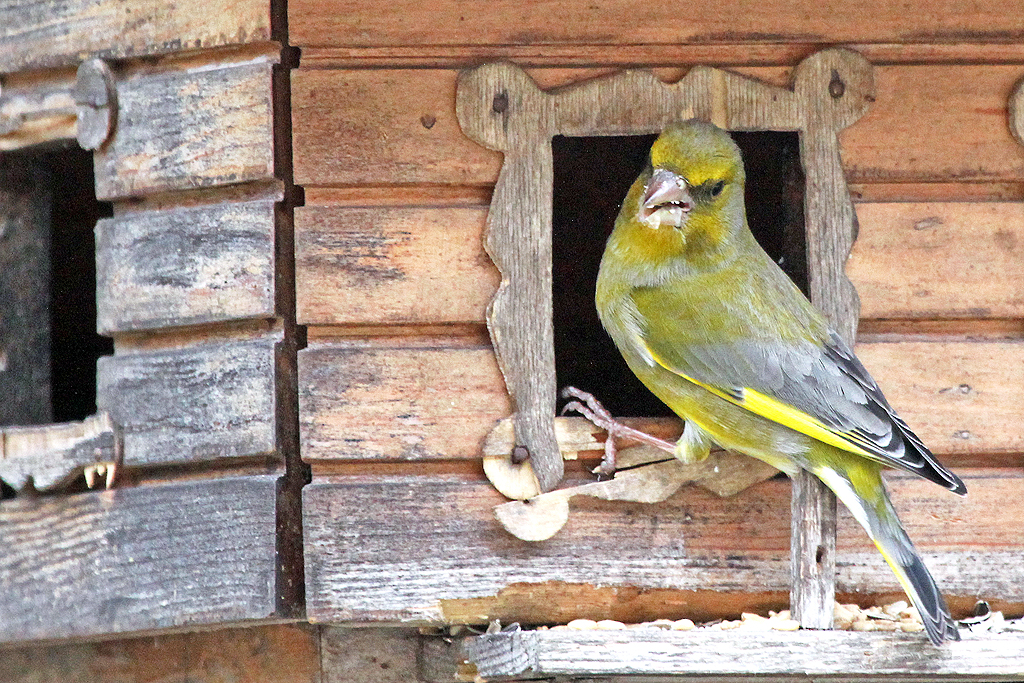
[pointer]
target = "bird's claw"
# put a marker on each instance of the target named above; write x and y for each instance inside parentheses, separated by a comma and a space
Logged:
(599, 416)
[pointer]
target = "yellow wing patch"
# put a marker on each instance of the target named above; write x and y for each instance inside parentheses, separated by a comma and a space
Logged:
(783, 414)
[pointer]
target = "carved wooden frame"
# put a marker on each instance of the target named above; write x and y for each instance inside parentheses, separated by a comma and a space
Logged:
(501, 107)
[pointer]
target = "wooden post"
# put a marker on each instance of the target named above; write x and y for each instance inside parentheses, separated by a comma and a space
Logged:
(24, 291)
(833, 102)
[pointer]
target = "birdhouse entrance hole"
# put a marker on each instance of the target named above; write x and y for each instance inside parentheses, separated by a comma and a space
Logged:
(591, 177)
(48, 339)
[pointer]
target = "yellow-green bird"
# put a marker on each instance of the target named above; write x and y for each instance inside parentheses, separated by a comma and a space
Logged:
(715, 329)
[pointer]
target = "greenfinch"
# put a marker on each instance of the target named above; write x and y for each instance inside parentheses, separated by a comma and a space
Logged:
(715, 329)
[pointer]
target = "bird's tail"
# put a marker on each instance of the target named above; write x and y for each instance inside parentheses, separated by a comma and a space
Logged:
(866, 497)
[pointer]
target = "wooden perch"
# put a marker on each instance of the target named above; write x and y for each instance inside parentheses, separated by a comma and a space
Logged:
(646, 475)
(52, 455)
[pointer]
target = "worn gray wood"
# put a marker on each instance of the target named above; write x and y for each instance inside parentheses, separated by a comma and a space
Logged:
(41, 33)
(424, 547)
(502, 108)
(190, 128)
(24, 291)
(133, 559)
(202, 403)
(185, 266)
(54, 454)
(652, 652)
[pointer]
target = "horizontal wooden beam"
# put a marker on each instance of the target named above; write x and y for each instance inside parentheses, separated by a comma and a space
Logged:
(136, 559)
(427, 549)
(398, 126)
(203, 403)
(185, 266)
(413, 398)
(404, 23)
(673, 55)
(653, 653)
(280, 653)
(424, 265)
(191, 128)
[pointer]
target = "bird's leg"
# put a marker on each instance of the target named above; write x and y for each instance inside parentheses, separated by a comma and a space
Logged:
(694, 445)
(590, 408)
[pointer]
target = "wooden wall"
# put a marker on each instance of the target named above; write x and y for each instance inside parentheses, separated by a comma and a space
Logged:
(194, 285)
(398, 384)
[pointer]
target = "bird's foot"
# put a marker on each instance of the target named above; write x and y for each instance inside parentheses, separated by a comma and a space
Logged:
(590, 408)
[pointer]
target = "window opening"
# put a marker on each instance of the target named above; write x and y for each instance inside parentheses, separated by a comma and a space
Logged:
(591, 177)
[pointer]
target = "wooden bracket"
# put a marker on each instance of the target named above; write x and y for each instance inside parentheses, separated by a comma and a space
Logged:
(500, 106)
(52, 455)
(85, 110)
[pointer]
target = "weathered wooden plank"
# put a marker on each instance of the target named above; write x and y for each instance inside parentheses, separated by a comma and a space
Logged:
(24, 291)
(396, 401)
(410, 400)
(926, 260)
(374, 655)
(391, 265)
(142, 558)
(669, 55)
(281, 653)
(959, 397)
(184, 129)
(425, 548)
(930, 123)
(963, 260)
(185, 266)
(207, 402)
(39, 33)
(338, 23)
(652, 652)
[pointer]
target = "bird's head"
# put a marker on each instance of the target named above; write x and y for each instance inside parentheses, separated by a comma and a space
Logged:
(696, 173)
(689, 201)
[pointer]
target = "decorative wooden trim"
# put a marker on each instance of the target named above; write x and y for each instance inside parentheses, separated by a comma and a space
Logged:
(499, 106)
(51, 455)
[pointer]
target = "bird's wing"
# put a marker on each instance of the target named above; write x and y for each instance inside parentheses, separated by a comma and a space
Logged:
(820, 390)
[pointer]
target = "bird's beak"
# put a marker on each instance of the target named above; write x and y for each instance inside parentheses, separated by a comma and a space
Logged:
(666, 200)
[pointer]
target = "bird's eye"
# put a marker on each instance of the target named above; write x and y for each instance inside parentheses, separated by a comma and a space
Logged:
(717, 188)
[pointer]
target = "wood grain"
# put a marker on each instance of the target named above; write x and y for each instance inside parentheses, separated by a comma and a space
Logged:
(391, 265)
(404, 23)
(426, 549)
(260, 654)
(374, 655)
(38, 33)
(130, 560)
(25, 291)
(185, 266)
(647, 653)
(386, 399)
(186, 129)
(360, 401)
(959, 397)
(940, 260)
(364, 126)
(208, 402)
(919, 260)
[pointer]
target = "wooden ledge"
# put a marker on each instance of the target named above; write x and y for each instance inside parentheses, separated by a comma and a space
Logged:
(650, 652)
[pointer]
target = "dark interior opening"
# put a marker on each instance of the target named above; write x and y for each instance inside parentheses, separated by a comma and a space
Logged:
(74, 343)
(591, 177)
